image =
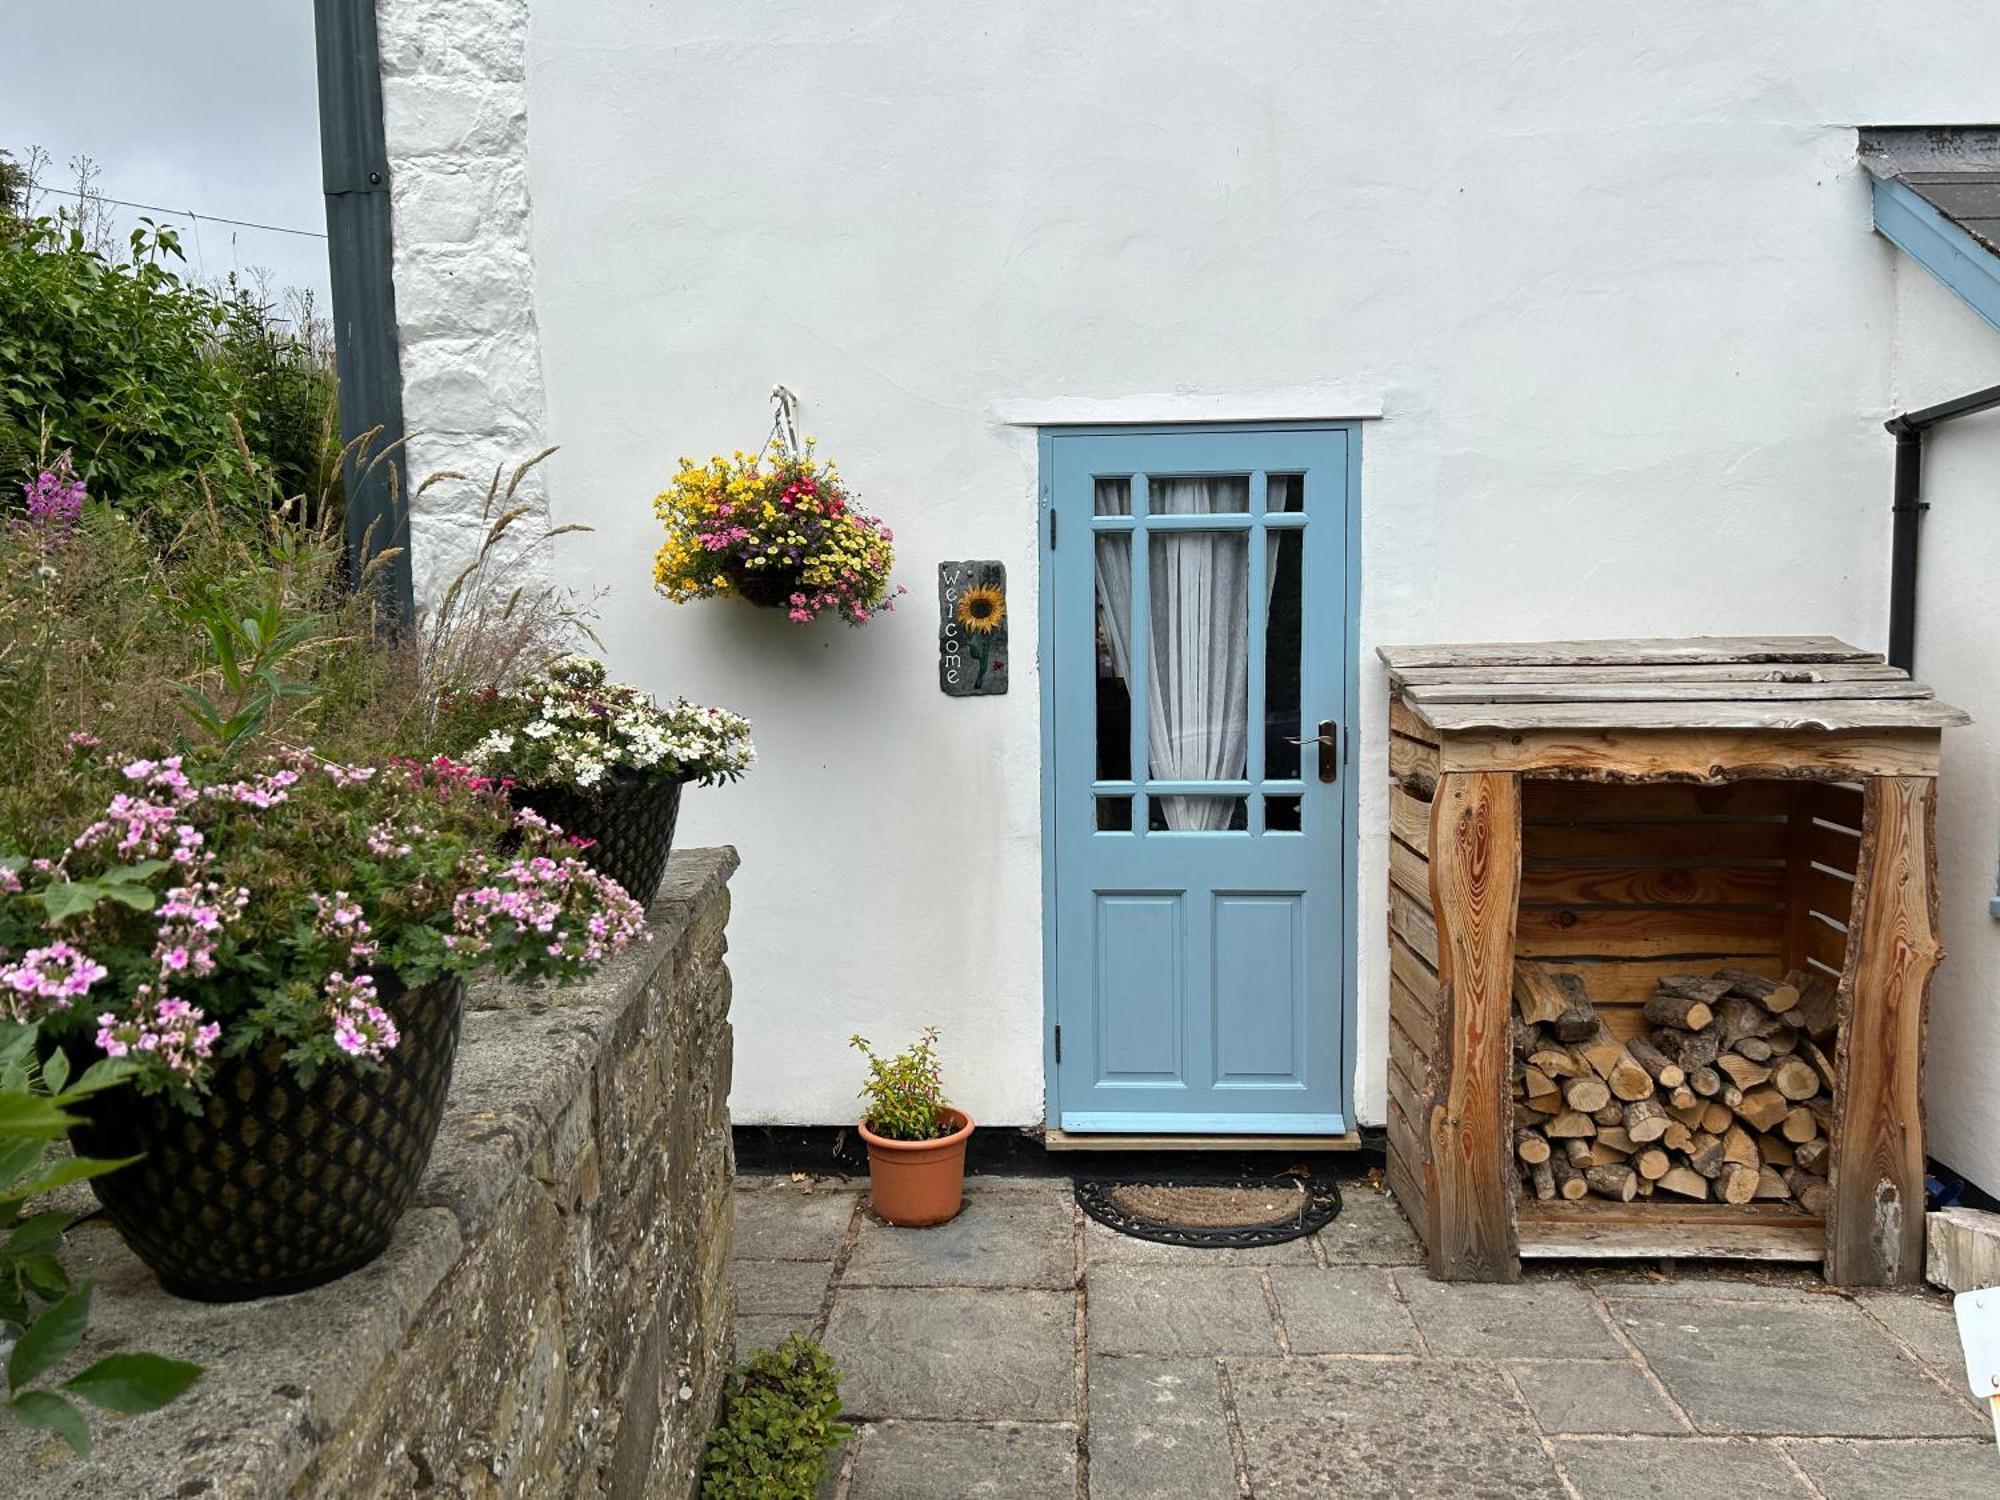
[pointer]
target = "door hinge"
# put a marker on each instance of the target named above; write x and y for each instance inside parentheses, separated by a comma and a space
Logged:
(1052, 529)
(1059, 1044)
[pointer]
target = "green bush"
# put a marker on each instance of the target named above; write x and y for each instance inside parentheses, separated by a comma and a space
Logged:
(138, 372)
(780, 1419)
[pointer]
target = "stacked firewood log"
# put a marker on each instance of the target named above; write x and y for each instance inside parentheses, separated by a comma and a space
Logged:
(1727, 1097)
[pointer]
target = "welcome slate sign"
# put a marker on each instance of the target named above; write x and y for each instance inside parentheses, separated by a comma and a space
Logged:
(972, 629)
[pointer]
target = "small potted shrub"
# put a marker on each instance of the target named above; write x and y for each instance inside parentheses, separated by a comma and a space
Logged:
(601, 761)
(916, 1140)
(277, 951)
(783, 535)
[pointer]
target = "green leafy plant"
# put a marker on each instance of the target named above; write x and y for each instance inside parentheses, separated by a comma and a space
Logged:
(905, 1093)
(780, 1419)
(42, 1314)
(143, 372)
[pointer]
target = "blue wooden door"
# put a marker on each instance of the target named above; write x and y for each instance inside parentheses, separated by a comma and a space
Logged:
(1198, 637)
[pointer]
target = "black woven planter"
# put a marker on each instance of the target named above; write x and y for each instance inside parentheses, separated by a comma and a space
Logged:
(278, 1186)
(629, 819)
(771, 588)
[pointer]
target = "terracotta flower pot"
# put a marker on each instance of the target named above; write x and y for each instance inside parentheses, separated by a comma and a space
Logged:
(918, 1183)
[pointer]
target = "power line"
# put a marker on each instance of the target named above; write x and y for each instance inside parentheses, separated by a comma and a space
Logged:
(185, 213)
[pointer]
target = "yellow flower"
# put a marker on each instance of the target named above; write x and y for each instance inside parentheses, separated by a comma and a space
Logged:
(982, 609)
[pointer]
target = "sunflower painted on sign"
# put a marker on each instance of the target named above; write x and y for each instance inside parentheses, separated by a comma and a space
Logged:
(972, 629)
(982, 609)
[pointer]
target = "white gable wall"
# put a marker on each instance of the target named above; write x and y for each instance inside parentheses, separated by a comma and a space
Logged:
(1604, 271)
(1943, 349)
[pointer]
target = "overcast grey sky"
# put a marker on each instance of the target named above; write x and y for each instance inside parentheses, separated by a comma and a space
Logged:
(205, 105)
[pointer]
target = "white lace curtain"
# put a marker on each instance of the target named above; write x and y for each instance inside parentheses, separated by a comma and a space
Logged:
(1197, 659)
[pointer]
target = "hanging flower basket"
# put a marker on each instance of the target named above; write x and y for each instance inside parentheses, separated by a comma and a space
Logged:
(769, 588)
(278, 1184)
(781, 533)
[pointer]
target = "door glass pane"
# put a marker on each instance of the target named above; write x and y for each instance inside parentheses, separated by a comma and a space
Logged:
(1114, 630)
(1282, 637)
(1113, 496)
(1114, 814)
(1198, 668)
(1197, 495)
(1281, 814)
(1222, 815)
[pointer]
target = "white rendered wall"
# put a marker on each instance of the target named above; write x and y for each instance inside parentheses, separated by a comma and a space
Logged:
(1943, 349)
(1606, 271)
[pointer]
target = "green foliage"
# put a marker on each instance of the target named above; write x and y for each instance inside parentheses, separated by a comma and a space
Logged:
(905, 1093)
(41, 1312)
(161, 388)
(780, 1419)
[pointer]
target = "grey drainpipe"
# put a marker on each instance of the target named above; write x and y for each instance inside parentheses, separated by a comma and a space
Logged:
(354, 157)
(1907, 514)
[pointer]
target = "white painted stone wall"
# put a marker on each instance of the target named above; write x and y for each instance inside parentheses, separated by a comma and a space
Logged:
(1944, 349)
(1605, 271)
(455, 109)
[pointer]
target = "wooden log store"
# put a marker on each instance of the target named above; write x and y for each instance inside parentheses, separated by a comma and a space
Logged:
(1662, 923)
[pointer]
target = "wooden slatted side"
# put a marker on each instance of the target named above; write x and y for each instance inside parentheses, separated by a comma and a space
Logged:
(1414, 1022)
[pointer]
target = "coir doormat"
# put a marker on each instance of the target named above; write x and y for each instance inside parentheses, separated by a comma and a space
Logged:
(1211, 1213)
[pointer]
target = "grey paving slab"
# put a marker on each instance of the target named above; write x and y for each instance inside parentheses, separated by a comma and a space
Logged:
(768, 1330)
(1370, 1230)
(1677, 1468)
(932, 1460)
(1157, 1429)
(1107, 1247)
(1417, 1430)
(1818, 1368)
(778, 1222)
(1924, 1321)
(1527, 1320)
(1901, 1471)
(1595, 1396)
(1708, 1288)
(779, 1286)
(1017, 1237)
(1171, 1310)
(955, 1354)
(1342, 1310)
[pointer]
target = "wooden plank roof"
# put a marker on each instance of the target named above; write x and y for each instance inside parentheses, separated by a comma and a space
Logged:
(1803, 682)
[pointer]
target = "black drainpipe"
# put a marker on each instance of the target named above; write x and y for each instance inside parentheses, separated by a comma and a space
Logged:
(1907, 514)
(354, 156)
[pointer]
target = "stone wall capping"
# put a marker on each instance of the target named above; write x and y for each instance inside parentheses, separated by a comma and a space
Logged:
(530, 1328)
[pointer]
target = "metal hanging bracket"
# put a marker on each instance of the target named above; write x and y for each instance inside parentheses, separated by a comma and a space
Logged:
(785, 421)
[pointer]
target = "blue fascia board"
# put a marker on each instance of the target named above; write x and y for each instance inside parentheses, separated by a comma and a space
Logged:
(1954, 257)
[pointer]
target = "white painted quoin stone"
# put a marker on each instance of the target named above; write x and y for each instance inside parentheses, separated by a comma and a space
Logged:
(455, 110)
(1605, 273)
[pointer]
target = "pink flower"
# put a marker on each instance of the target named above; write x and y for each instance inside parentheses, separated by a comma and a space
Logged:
(58, 973)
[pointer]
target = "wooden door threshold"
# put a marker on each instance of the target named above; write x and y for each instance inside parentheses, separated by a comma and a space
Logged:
(1064, 1140)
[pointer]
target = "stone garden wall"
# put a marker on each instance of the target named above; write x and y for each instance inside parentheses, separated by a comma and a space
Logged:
(554, 1315)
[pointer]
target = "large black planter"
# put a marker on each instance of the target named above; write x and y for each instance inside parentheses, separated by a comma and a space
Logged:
(278, 1186)
(628, 817)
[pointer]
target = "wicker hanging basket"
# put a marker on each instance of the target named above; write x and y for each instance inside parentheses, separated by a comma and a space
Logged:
(769, 588)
